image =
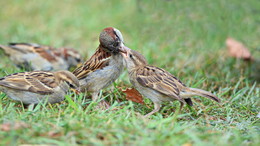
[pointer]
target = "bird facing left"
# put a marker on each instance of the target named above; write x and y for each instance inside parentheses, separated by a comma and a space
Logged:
(37, 86)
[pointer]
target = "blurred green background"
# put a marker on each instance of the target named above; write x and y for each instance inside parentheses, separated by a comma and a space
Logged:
(186, 37)
(170, 33)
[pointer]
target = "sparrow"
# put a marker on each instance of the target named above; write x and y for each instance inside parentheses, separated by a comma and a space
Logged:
(157, 84)
(104, 66)
(36, 86)
(39, 57)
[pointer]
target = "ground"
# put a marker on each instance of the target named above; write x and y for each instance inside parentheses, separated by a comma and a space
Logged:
(187, 38)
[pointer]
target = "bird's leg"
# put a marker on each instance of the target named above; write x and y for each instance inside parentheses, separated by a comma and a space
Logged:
(95, 96)
(102, 104)
(31, 106)
(181, 106)
(157, 106)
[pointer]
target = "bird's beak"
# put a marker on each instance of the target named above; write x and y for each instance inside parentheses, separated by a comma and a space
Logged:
(123, 50)
(77, 91)
(79, 64)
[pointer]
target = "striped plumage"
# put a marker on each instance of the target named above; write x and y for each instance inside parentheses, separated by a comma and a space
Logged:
(157, 84)
(105, 65)
(39, 57)
(33, 87)
(97, 61)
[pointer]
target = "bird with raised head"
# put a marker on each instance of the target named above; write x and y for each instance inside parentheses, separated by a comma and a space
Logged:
(36, 86)
(40, 57)
(104, 66)
(157, 84)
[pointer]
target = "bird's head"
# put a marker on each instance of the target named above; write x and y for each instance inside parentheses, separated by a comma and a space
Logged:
(67, 78)
(133, 59)
(111, 39)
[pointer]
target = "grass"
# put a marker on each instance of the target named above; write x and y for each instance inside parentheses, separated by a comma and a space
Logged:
(186, 37)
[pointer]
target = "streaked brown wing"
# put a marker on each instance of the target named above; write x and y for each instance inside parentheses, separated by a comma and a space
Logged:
(43, 51)
(37, 82)
(46, 53)
(99, 60)
(159, 80)
(23, 45)
(20, 47)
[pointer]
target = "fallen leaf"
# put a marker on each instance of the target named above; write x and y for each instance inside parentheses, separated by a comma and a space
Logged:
(237, 49)
(13, 126)
(133, 95)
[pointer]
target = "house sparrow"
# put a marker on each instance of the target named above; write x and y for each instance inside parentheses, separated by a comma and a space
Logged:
(105, 66)
(158, 84)
(39, 57)
(36, 86)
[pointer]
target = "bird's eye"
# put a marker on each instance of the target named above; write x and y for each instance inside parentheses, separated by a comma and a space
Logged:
(116, 43)
(78, 59)
(131, 56)
(72, 86)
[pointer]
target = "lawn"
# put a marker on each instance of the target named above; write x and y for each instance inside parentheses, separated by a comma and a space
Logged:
(185, 37)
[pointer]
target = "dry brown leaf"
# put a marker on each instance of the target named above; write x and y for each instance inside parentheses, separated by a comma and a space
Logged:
(133, 95)
(13, 126)
(237, 49)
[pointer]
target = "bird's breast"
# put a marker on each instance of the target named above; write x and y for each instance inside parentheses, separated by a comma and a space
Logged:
(101, 78)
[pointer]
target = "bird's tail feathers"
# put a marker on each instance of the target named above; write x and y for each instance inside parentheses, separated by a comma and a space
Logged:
(6, 49)
(194, 91)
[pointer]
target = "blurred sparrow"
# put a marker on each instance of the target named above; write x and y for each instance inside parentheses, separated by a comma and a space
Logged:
(158, 84)
(105, 66)
(39, 57)
(34, 87)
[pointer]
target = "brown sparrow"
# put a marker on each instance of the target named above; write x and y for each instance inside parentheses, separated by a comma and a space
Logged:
(158, 84)
(39, 57)
(34, 87)
(105, 66)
